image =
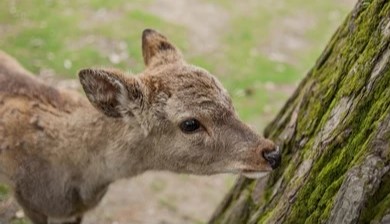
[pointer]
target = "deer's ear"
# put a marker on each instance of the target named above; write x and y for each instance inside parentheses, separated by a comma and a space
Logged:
(111, 92)
(157, 50)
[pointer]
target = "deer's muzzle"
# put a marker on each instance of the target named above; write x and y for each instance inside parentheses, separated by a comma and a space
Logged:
(273, 157)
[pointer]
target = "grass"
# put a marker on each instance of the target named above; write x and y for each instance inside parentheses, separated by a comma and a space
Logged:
(3, 192)
(55, 32)
(54, 35)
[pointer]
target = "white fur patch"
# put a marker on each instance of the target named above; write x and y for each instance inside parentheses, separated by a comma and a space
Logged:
(255, 175)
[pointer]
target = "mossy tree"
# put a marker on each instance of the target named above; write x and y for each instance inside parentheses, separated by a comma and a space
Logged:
(334, 132)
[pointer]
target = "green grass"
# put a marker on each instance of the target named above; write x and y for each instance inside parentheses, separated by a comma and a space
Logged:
(20, 221)
(52, 34)
(4, 195)
(3, 192)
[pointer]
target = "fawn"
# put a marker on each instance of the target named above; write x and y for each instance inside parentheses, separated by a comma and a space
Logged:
(59, 152)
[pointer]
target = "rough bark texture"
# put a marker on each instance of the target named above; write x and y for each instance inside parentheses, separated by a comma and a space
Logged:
(335, 136)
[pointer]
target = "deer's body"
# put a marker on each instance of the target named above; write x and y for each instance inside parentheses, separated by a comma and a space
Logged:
(50, 143)
(59, 153)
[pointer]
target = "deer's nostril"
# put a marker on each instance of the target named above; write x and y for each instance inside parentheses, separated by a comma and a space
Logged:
(273, 158)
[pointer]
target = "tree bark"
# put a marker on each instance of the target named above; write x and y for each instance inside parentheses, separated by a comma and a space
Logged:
(334, 132)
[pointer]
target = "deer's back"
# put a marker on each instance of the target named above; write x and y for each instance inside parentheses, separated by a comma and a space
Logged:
(29, 114)
(15, 81)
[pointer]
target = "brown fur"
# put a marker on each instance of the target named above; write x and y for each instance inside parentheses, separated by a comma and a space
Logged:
(15, 80)
(60, 152)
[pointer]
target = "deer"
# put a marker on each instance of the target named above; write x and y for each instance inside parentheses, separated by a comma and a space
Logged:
(61, 149)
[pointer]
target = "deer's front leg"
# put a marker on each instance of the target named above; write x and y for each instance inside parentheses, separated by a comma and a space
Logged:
(35, 217)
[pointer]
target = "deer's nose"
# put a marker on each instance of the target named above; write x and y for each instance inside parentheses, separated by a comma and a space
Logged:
(273, 157)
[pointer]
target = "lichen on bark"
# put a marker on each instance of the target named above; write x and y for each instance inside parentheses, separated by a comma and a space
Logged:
(334, 132)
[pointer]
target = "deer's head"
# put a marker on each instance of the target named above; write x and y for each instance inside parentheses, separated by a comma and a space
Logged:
(186, 115)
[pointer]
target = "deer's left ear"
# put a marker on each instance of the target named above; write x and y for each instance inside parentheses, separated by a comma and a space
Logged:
(157, 50)
(111, 92)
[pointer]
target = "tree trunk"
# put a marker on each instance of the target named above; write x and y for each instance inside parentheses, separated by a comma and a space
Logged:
(334, 133)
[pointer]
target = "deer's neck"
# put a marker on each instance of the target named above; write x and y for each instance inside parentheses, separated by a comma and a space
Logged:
(110, 148)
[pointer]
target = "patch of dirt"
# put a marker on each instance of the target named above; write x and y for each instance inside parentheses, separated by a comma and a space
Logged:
(287, 37)
(116, 51)
(9, 210)
(205, 21)
(7, 29)
(348, 3)
(277, 95)
(161, 197)
(96, 17)
(52, 79)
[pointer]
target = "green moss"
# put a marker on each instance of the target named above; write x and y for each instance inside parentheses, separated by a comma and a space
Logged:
(378, 204)
(352, 137)
(266, 215)
(330, 168)
(325, 202)
(20, 221)
(4, 191)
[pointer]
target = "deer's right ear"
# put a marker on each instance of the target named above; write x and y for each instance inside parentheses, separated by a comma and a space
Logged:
(157, 50)
(111, 92)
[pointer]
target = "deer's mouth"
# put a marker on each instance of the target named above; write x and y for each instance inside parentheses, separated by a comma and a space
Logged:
(254, 174)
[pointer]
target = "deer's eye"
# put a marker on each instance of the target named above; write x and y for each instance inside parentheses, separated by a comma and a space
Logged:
(190, 126)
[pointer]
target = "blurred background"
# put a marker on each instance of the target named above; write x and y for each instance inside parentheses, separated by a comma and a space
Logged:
(259, 49)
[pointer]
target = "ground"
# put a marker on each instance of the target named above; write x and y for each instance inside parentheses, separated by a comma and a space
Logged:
(258, 49)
